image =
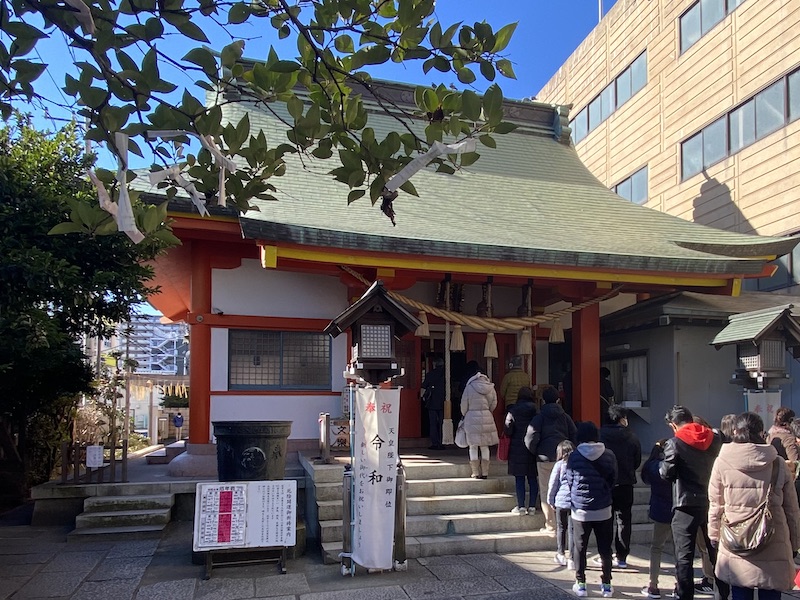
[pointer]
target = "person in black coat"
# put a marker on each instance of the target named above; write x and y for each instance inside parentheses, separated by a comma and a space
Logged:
(521, 463)
(433, 393)
(627, 449)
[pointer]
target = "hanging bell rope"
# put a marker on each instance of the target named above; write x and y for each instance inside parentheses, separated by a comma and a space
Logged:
(556, 332)
(525, 344)
(490, 348)
(487, 323)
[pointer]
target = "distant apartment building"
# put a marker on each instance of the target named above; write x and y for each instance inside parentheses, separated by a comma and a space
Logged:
(692, 107)
(159, 349)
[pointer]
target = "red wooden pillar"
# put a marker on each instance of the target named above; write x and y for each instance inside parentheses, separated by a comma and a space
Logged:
(200, 347)
(586, 364)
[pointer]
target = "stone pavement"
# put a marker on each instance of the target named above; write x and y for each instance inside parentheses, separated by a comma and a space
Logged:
(38, 562)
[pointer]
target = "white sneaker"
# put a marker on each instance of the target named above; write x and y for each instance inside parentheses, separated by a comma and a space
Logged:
(550, 530)
(571, 564)
(560, 559)
(580, 589)
(606, 590)
(531, 511)
(517, 511)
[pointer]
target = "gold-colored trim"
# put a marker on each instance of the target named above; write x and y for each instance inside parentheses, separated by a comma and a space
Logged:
(445, 266)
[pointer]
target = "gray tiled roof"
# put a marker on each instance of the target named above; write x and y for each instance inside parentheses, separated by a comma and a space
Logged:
(530, 200)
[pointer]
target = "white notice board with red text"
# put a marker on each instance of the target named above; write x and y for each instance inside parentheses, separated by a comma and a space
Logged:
(245, 514)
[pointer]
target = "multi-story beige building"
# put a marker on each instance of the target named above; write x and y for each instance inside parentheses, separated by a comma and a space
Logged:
(692, 107)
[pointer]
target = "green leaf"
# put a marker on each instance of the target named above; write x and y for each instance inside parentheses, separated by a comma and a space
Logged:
(465, 75)
(239, 13)
(471, 105)
(505, 68)
(503, 36)
(469, 158)
(409, 188)
(344, 44)
(68, 227)
(431, 100)
(487, 70)
(203, 58)
(493, 104)
(504, 127)
(295, 107)
(192, 31)
(285, 66)
(488, 141)
(355, 195)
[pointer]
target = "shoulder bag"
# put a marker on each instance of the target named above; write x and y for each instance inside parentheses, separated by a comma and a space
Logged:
(752, 533)
(461, 435)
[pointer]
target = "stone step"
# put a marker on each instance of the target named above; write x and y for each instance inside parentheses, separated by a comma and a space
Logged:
(459, 504)
(449, 486)
(123, 518)
(479, 543)
(423, 525)
(128, 503)
(112, 534)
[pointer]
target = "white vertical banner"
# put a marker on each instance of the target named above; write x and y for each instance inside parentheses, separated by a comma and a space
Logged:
(764, 403)
(375, 458)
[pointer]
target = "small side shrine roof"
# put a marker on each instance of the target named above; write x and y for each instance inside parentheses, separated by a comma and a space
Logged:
(530, 200)
(376, 295)
(755, 325)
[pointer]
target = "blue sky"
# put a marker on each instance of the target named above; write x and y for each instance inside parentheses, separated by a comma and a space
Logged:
(548, 32)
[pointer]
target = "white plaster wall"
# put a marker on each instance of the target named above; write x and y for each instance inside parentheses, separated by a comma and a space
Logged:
(303, 411)
(253, 290)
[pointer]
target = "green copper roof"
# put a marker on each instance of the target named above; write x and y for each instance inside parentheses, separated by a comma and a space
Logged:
(531, 200)
(754, 325)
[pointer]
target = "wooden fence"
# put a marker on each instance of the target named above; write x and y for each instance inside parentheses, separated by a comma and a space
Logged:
(75, 471)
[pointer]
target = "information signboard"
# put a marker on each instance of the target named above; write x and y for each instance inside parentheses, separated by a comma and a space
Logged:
(94, 456)
(245, 514)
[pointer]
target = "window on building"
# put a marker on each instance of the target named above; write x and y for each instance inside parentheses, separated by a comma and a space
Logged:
(770, 109)
(580, 126)
(634, 188)
(614, 95)
(711, 13)
(701, 18)
(754, 119)
(629, 379)
(742, 126)
(715, 142)
(690, 27)
(288, 360)
(794, 95)
(692, 156)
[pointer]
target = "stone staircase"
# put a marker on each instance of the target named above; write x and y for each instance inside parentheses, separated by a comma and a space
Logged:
(123, 517)
(164, 455)
(450, 513)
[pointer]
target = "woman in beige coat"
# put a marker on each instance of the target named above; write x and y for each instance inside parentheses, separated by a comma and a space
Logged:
(477, 403)
(739, 482)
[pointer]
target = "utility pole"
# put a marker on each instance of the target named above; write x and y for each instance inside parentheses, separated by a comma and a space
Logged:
(599, 10)
(127, 427)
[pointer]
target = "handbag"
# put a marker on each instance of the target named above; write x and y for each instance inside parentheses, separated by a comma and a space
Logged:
(461, 435)
(750, 534)
(503, 446)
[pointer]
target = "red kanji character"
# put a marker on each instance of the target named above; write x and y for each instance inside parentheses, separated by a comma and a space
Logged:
(370, 407)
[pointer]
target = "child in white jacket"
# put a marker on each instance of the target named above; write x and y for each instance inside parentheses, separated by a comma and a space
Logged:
(558, 496)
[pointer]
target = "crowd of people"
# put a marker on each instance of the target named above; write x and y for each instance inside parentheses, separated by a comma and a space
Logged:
(729, 494)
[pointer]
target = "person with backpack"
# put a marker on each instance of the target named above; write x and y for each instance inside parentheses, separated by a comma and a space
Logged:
(547, 430)
(590, 476)
(747, 473)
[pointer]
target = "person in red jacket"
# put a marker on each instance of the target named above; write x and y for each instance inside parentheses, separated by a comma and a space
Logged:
(688, 459)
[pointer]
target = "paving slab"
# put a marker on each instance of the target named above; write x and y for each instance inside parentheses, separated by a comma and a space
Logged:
(117, 589)
(50, 585)
(392, 592)
(281, 585)
(181, 589)
(9, 585)
(120, 568)
(223, 588)
(74, 562)
(434, 588)
(133, 548)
